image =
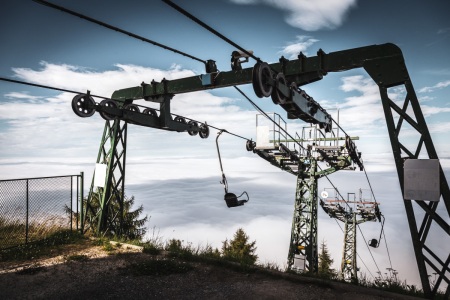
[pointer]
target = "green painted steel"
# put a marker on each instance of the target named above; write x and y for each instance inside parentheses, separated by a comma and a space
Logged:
(112, 152)
(385, 64)
(303, 249)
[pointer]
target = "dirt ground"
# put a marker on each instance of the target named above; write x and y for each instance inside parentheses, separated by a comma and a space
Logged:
(84, 271)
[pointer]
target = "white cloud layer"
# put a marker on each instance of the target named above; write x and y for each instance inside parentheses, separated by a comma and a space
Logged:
(301, 44)
(177, 177)
(310, 15)
(437, 86)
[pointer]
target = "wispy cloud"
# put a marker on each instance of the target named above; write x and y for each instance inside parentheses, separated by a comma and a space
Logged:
(437, 86)
(301, 44)
(443, 30)
(310, 15)
(47, 122)
(22, 96)
(363, 110)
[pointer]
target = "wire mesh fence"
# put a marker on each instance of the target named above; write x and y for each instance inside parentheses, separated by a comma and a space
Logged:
(34, 208)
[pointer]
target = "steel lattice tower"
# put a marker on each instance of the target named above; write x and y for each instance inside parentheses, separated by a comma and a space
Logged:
(303, 247)
(112, 154)
(362, 211)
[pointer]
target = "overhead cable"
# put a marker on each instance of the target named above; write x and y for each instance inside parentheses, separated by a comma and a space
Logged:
(335, 188)
(210, 29)
(101, 97)
(47, 87)
(116, 29)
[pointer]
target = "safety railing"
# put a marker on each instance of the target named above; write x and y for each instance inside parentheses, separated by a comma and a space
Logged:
(34, 208)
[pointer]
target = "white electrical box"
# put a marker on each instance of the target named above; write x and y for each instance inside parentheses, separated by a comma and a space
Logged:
(100, 175)
(421, 179)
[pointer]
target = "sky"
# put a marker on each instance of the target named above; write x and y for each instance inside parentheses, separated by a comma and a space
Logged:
(175, 176)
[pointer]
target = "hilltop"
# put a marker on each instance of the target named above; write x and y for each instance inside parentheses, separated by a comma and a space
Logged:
(87, 270)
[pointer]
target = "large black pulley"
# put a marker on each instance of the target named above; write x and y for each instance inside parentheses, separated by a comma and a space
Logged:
(192, 125)
(83, 105)
(250, 145)
(277, 96)
(204, 131)
(180, 120)
(150, 111)
(262, 80)
(110, 104)
(132, 107)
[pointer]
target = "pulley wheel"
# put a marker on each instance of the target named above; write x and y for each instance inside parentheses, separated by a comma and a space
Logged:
(261, 76)
(180, 120)
(250, 145)
(150, 111)
(204, 131)
(107, 103)
(83, 105)
(277, 96)
(294, 87)
(132, 107)
(192, 124)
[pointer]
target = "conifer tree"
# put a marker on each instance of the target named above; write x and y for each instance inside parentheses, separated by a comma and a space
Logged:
(325, 262)
(239, 249)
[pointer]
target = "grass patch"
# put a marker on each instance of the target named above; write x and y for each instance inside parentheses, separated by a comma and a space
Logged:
(77, 257)
(159, 267)
(40, 248)
(14, 231)
(152, 249)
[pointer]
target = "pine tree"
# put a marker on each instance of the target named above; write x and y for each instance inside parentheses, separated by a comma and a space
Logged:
(132, 227)
(325, 262)
(239, 249)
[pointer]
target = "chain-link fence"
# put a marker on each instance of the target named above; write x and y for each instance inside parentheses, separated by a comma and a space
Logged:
(34, 208)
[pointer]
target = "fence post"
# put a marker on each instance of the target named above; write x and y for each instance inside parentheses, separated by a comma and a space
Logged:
(71, 203)
(26, 221)
(82, 216)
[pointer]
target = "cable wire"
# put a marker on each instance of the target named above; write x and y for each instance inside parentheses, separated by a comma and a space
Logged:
(46, 3)
(210, 29)
(198, 21)
(373, 258)
(267, 116)
(101, 97)
(47, 87)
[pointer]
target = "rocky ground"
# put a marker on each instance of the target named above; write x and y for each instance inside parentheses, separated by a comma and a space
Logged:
(85, 271)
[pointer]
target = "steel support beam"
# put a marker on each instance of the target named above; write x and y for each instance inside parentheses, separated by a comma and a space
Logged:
(348, 264)
(303, 250)
(112, 153)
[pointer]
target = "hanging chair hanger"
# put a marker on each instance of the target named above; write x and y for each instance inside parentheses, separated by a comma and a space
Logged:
(230, 198)
(373, 242)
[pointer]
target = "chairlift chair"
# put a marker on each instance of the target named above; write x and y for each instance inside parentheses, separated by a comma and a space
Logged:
(230, 198)
(374, 242)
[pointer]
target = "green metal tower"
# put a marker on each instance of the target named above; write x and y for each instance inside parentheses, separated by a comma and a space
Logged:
(109, 179)
(351, 213)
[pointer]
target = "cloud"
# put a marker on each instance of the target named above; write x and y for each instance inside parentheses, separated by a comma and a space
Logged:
(102, 83)
(438, 86)
(22, 96)
(355, 108)
(443, 30)
(309, 15)
(301, 44)
(50, 128)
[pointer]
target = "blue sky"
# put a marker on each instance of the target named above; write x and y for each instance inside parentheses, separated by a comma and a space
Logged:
(175, 176)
